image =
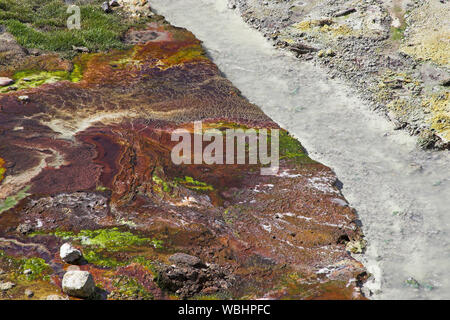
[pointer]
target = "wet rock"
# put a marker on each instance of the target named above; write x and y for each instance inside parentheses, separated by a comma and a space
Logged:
(78, 284)
(344, 12)
(69, 254)
(445, 83)
(25, 228)
(4, 81)
(105, 7)
(188, 281)
(183, 259)
(356, 246)
(27, 271)
(29, 293)
(114, 3)
(5, 286)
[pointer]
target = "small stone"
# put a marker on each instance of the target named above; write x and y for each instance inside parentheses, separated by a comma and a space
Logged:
(80, 49)
(4, 286)
(105, 7)
(24, 228)
(356, 246)
(183, 259)
(28, 271)
(329, 52)
(321, 53)
(114, 3)
(4, 81)
(445, 83)
(29, 293)
(78, 284)
(26, 79)
(69, 254)
(56, 297)
(23, 98)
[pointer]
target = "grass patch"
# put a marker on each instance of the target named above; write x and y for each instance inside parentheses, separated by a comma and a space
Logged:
(42, 24)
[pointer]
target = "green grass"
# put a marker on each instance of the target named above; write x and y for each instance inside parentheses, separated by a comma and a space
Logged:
(398, 34)
(42, 24)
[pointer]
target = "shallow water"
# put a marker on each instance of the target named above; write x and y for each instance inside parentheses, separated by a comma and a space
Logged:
(402, 194)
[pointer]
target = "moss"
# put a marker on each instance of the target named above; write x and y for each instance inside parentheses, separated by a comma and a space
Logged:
(146, 263)
(194, 52)
(165, 186)
(102, 188)
(129, 288)
(11, 201)
(190, 183)
(398, 34)
(39, 269)
(291, 148)
(439, 106)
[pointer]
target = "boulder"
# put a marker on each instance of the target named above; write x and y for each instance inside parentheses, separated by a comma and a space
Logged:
(69, 254)
(78, 284)
(183, 259)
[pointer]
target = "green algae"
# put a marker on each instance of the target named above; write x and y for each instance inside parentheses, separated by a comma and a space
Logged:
(39, 269)
(101, 259)
(102, 188)
(166, 187)
(193, 184)
(190, 53)
(129, 288)
(291, 148)
(100, 245)
(114, 240)
(26, 79)
(12, 201)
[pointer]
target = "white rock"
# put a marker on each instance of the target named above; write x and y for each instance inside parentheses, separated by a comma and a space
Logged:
(78, 284)
(4, 81)
(23, 98)
(28, 271)
(4, 286)
(69, 254)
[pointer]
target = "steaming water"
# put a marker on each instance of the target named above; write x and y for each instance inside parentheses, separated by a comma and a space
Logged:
(402, 194)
